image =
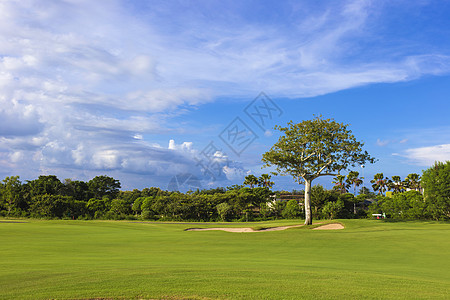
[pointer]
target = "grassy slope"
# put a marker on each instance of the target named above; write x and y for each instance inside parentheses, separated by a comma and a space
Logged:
(87, 259)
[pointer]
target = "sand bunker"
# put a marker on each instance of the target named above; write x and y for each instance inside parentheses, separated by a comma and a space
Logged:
(245, 229)
(333, 226)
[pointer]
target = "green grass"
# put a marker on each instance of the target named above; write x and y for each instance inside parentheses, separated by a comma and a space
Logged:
(105, 259)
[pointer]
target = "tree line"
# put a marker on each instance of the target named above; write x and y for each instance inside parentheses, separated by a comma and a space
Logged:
(406, 202)
(411, 198)
(101, 198)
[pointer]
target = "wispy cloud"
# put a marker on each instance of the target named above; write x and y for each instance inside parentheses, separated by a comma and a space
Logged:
(382, 143)
(426, 156)
(424, 146)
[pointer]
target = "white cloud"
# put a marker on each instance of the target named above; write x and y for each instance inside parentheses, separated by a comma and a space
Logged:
(185, 146)
(106, 159)
(268, 133)
(426, 156)
(235, 174)
(382, 143)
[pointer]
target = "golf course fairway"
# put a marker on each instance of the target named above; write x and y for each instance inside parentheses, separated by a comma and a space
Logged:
(368, 259)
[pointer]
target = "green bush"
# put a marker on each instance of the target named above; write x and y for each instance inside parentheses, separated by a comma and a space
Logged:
(292, 210)
(332, 209)
(223, 209)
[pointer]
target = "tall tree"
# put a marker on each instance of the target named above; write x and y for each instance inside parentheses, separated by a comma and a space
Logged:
(354, 180)
(380, 183)
(10, 191)
(313, 148)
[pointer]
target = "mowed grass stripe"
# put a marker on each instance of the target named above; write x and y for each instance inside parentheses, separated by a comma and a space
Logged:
(87, 259)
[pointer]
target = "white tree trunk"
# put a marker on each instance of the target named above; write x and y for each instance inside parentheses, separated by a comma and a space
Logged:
(308, 214)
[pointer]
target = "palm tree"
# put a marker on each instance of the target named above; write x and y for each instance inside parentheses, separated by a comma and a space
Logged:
(251, 180)
(396, 185)
(379, 183)
(340, 184)
(412, 182)
(354, 179)
(264, 181)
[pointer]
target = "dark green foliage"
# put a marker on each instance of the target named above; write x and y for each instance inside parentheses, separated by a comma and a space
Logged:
(101, 186)
(11, 195)
(348, 210)
(151, 192)
(77, 189)
(223, 209)
(436, 184)
(276, 209)
(98, 207)
(218, 190)
(56, 206)
(49, 185)
(407, 205)
(332, 209)
(292, 210)
(319, 196)
(120, 207)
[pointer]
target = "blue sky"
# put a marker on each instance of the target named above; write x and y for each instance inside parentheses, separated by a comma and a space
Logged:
(144, 90)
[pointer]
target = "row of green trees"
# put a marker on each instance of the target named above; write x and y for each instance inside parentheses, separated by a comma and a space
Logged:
(412, 198)
(47, 196)
(100, 198)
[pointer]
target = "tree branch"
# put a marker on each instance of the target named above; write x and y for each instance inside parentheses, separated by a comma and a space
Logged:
(323, 168)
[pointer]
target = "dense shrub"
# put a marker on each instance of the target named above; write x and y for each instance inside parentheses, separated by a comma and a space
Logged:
(331, 209)
(436, 184)
(292, 210)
